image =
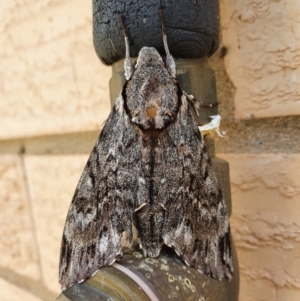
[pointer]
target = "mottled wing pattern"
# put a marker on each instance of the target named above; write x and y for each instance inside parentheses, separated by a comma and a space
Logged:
(196, 222)
(103, 202)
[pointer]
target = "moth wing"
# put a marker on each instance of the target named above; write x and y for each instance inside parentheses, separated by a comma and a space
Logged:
(103, 203)
(196, 221)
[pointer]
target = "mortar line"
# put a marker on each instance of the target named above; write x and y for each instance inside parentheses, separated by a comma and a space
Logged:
(31, 213)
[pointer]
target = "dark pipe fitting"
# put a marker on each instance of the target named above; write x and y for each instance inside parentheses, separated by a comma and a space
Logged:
(192, 27)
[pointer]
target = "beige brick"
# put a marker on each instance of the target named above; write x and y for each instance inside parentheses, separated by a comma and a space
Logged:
(10, 292)
(17, 239)
(51, 78)
(288, 294)
(265, 220)
(263, 60)
(257, 290)
(52, 181)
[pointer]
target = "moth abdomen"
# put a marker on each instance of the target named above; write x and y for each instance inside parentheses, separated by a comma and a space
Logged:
(149, 223)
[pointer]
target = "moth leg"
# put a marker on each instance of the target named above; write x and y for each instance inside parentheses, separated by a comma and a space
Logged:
(169, 59)
(198, 104)
(127, 63)
(208, 105)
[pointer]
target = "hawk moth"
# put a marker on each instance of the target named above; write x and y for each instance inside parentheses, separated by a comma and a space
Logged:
(149, 167)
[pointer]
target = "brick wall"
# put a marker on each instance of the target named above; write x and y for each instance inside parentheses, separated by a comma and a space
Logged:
(54, 98)
(54, 94)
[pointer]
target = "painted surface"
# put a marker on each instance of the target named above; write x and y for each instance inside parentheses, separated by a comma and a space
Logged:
(51, 79)
(262, 38)
(265, 224)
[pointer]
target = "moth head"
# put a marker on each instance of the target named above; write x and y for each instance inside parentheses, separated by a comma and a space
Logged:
(148, 56)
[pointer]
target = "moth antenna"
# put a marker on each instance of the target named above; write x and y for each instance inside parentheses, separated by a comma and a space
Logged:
(127, 63)
(169, 59)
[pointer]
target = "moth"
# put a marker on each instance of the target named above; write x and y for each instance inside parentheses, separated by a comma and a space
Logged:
(149, 167)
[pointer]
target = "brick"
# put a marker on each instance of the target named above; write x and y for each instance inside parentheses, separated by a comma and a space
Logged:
(51, 78)
(265, 220)
(288, 294)
(52, 181)
(10, 292)
(263, 59)
(18, 247)
(257, 290)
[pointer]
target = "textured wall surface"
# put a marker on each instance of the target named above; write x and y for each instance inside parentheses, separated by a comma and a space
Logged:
(48, 64)
(54, 98)
(263, 61)
(266, 225)
(18, 247)
(51, 83)
(51, 195)
(10, 292)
